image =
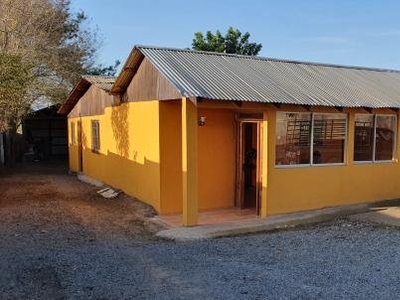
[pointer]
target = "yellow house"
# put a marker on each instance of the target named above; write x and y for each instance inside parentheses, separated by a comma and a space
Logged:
(188, 131)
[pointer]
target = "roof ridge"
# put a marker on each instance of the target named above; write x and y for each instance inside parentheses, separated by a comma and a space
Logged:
(98, 76)
(103, 82)
(222, 54)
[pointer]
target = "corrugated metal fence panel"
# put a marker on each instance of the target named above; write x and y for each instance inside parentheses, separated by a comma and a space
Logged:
(230, 77)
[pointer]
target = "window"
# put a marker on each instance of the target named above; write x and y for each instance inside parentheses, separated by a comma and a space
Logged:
(364, 138)
(375, 137)
(329, 136)
(95, 136)
(293, 137)
(298, 135)
(73, 135)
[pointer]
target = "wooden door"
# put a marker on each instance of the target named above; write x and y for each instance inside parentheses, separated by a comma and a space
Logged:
(248, 176)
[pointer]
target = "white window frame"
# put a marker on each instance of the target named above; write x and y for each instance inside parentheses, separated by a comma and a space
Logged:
(294, 165)
(345, 141)
(394, 152)
(312, 164)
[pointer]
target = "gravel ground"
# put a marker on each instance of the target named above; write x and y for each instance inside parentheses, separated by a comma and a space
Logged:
(60, 240)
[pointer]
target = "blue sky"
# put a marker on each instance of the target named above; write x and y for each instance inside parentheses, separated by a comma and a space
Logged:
(363, 32)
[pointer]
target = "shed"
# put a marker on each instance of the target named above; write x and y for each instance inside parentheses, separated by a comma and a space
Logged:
(45, 133)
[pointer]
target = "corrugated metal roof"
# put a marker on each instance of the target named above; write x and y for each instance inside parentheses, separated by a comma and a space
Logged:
(222, 76)
(103, 82)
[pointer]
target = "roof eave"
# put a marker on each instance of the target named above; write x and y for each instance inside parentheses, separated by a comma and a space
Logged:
(128, 71)
(79, 90)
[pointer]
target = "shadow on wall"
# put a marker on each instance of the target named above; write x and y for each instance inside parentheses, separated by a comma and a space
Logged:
(140, 180)
(120, 128)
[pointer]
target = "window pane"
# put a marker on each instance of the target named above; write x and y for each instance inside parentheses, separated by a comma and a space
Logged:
(385, 137)
(329, 135)
(363, 137)
(293, 135)
(95, 135)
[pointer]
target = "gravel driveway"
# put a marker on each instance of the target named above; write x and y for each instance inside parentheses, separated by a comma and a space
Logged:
(60, 240)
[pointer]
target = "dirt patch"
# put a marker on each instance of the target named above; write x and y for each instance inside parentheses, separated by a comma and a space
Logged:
(47, 215)
(44, 198)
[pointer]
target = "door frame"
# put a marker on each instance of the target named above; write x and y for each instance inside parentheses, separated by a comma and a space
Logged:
(239, 182)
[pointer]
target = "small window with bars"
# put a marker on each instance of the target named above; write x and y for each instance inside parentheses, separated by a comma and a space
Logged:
(95, 136)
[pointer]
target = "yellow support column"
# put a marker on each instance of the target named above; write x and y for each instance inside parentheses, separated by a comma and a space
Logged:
(189, 162)
(264, 167)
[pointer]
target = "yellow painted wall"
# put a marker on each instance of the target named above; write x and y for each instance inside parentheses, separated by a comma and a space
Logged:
(141, 153)
(73, 148)
(303, 188)
(171, 156)
(290, 189)
(216, 159)
(129, 156)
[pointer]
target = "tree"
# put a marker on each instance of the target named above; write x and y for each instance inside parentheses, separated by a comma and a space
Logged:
(14, 84)
(44, 49)
(211, 42)
(232, 42)
(102, 70)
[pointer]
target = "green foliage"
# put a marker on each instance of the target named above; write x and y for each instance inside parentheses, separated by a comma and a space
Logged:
(232, 42)
(211, 42)
(44, 49)
(15, 80)
(14, 75)
(105, 71)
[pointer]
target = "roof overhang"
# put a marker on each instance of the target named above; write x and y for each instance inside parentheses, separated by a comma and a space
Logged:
(102, 82)
(79, 90)
(129, 70)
